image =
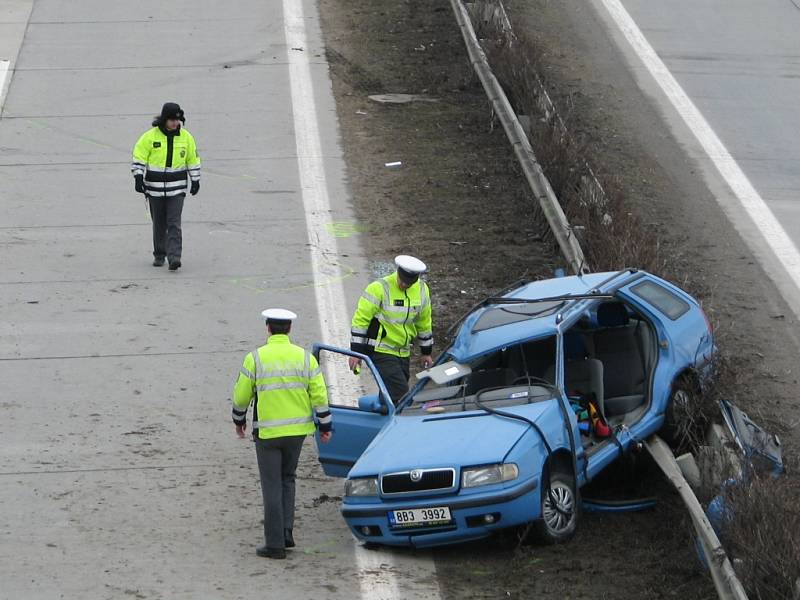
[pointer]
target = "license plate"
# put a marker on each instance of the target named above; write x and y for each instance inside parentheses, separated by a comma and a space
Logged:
(420, 517)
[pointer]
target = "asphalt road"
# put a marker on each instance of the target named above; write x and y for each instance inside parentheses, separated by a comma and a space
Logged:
(120, 474)
(738, 63)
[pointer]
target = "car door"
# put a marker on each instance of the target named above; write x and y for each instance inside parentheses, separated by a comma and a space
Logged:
(359, 404)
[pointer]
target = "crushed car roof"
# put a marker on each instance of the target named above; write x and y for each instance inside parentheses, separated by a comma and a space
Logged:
(496, 325)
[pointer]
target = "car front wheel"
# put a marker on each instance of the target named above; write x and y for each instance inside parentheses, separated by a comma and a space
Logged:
(559, 510)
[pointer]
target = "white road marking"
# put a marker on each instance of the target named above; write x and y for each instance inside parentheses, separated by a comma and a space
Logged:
(5, 71)
(376, 576)
(751, 201)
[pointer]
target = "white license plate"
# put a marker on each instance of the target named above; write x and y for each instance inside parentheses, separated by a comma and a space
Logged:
(420, 517)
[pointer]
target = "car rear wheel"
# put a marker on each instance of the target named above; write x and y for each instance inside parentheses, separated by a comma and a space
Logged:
(678, 422)
(559, 510)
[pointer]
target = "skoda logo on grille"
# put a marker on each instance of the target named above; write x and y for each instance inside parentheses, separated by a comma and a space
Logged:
(416, 475)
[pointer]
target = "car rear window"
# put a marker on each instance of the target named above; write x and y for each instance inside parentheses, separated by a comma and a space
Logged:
(661, 298)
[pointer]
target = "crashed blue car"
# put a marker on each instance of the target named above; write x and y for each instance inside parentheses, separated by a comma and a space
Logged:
(542, 388)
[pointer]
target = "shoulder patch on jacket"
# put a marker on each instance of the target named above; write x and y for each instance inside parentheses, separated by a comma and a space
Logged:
(156, 144)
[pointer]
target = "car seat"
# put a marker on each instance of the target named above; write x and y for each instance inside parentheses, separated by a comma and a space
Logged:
(582, 375)
(620, 345)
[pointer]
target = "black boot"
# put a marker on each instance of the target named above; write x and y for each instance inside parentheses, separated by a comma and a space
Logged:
(278, 553)
(288, 540)
(158, 261)
(174, 264)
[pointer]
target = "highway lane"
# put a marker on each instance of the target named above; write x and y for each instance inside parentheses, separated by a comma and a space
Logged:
(120, 471)
(730, 73)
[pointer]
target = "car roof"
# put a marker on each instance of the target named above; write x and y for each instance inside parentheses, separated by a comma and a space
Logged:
(475, 339)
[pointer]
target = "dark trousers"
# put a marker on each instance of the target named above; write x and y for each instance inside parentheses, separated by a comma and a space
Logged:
(394, 372)
(166, 215)
(277, 464)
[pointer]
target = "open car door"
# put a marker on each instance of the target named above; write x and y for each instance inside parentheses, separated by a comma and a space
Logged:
(360, 406)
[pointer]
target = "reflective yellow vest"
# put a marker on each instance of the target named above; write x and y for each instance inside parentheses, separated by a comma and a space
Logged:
(165, 160)
(286, 386)
(388, 319)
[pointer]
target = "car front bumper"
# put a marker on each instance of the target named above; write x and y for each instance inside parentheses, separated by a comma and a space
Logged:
(508, 507)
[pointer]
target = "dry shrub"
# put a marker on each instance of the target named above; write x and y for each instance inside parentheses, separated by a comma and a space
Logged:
(762, 535)
(611, 235)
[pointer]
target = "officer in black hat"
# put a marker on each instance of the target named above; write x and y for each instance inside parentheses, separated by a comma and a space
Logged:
(163, 159)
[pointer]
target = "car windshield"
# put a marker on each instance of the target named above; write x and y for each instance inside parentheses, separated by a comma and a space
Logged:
(520, 374)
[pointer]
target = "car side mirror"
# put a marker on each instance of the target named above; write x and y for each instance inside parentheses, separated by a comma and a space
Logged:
(372, 403)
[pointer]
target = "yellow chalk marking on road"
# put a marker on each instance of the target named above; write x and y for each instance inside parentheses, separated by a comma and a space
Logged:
(344, 229)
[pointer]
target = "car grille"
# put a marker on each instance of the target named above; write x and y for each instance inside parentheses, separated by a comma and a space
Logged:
(432, 479)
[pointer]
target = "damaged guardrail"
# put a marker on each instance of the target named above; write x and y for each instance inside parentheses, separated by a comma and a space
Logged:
(540, 186)
(726, 582)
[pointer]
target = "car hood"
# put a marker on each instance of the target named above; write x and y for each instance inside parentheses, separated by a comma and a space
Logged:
(454, 440)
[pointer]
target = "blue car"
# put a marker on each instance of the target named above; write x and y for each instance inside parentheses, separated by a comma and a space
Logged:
(542, 388)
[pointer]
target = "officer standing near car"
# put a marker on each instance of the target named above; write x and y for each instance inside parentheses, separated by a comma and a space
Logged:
(163, 157)
(286, 387)
(391, 313)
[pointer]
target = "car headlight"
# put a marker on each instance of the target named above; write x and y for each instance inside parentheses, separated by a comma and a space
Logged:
(489, 474)
(362, 486)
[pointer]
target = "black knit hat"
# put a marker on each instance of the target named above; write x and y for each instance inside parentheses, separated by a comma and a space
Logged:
(172, 110)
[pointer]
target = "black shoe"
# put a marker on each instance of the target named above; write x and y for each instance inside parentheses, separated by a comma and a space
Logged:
(278, 553)
(174, 265)
(158, 262)
(288, 540)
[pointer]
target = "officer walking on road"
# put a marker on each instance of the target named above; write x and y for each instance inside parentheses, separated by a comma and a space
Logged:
(162, 159)
(285, 385)
(391, 313)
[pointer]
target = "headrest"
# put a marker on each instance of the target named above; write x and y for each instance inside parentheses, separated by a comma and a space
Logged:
(612, 314)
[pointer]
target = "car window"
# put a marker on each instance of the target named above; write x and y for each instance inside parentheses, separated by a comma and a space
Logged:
(661, 298)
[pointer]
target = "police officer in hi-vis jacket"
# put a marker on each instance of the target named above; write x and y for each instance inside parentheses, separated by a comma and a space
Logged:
(163, 159)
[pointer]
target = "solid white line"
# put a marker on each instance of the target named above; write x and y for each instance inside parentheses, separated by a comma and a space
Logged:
(375, 569)
(774, 235)
(4, 73)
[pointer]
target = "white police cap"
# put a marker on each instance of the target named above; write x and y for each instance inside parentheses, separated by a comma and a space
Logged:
(278, 314)
(410, 264)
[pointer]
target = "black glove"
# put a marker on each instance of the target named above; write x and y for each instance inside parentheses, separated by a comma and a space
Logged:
(195, 187)
(139, 186)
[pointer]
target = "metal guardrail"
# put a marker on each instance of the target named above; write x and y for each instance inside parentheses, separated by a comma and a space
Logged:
(540, 186)
(725, 580)
(494, 13)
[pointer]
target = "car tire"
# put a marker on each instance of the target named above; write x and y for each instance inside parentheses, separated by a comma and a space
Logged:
(677, 420)
(560, 510)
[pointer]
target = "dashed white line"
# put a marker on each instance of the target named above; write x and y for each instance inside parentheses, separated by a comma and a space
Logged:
(751, 201)
(376, 569)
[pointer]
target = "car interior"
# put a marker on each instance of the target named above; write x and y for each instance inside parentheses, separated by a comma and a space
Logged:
(609, 356)
(509, 377)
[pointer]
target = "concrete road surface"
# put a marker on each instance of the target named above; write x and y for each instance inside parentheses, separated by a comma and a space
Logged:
(120, 474)
(738, 64)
